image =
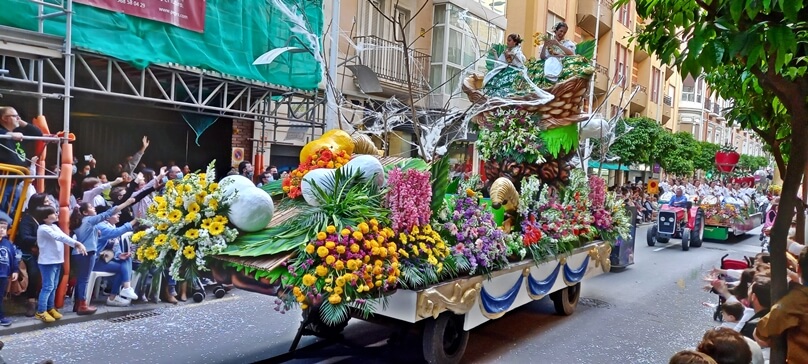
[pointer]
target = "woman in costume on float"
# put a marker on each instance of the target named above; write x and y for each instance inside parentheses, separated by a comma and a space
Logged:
(555, 51)
(510, 66)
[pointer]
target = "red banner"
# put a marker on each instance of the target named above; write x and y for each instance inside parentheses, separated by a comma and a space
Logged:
(188, 14)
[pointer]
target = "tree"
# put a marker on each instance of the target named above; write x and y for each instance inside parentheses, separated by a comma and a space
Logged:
(675, 152)
(767, 40)
(634, 147)
(705, 159)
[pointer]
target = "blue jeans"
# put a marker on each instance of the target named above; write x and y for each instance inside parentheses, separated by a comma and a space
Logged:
(3, 288)
(84, 266)
(121, 268)
(50, 278)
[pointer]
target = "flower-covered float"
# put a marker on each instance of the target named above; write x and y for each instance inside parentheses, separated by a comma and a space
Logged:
(356, 234)
(728, 216)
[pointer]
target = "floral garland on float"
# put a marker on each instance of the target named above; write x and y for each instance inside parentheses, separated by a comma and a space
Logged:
(721, 214)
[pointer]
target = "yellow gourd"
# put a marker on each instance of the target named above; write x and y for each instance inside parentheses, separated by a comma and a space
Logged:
(334, 139)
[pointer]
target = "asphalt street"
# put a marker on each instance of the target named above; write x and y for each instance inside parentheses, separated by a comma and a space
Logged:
(642, 314)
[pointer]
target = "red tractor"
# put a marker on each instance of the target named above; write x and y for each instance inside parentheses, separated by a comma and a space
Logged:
(686, 223)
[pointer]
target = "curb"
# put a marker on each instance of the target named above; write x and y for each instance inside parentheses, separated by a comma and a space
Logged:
(31, 324)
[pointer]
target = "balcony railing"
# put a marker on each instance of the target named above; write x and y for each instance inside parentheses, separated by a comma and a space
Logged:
(643, 89)
(667, 100)
(386, 59)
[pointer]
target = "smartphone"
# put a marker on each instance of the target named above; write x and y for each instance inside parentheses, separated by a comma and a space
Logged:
(88, 157)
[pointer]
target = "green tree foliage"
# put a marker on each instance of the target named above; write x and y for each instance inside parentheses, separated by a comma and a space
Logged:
(767, 39)
(748, 163)
(675, 152)
(705, 159)
(635, 146)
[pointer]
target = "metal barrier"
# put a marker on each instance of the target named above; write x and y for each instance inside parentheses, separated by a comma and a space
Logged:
(9, 176)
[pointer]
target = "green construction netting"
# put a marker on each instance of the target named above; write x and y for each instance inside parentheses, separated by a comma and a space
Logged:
(236, 33)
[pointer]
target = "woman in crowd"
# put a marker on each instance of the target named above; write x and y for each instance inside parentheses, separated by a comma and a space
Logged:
(26, 241)
(84, 222)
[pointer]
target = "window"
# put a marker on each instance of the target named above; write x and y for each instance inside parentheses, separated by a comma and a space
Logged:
(656, 76)
(616, 111)
(710, 134)
(688, 93)
(374, 24)
(621, 64)
(624, 15)
(401, 15)
(699, 89)
(552, 20)
(459, 40)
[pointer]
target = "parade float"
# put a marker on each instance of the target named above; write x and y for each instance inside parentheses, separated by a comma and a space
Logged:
(354, 234)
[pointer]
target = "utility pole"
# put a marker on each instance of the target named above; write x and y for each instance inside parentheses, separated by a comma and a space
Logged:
(332, 111)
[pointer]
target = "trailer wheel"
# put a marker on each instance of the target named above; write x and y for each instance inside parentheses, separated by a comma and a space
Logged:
(444, 339)
(566, 300)
(319, 328)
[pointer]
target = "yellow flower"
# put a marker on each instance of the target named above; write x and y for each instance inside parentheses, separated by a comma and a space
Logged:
(354, 248)
(137, 236)
(139, 253)
(334, 299)
(415, 230)
(330, 259)
(191, 216)
(213, 204)
(220, 219)
(321, 271)
(303, 306)
(341, 249)
(162, 226)
(169, 185)
(192, 234)
(202, 177)
(213, 187)
(309, 280)
(178, 202)
(330, 245)
(174, 244)
(331, 229)
(206, 223)
(357, 235)
(339, 265)
(345, 232)
(160, 239)
(470, 192)
(352, 265)
(364, 228)
(174, 216)
(193, 207)
(150, 253)
(322, 251)
(338, 290)
(189, 252)
(374, 222)
(161, 214)
(310, 249)
(216, 229)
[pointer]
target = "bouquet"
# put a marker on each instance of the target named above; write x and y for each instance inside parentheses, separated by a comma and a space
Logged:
(423, 256)
(350, 266)
(187, 224)
(323, 158)
(511, 134)
(476, 236)
(408, 200)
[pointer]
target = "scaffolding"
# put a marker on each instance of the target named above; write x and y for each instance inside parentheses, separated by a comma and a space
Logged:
(43, 66)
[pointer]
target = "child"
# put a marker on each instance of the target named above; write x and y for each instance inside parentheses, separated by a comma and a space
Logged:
(50, 240)
(733, 312)
(8, 268)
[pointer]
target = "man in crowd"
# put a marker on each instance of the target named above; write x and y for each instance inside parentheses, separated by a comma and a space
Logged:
(15, 150)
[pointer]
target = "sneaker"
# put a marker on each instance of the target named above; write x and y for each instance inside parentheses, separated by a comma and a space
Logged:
(44, 317)
(5, 322)
(118, 302)
(55, 314)
(129, 293)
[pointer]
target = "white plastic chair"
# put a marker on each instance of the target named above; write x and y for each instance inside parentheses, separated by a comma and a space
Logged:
(93, 287)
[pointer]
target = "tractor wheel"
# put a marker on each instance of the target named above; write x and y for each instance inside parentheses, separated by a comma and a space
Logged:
(651, 235)
(686, 239)
(566, 300)
(697, 234)
(444, 340)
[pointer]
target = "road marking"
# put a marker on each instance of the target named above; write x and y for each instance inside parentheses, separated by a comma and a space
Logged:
(679, 244)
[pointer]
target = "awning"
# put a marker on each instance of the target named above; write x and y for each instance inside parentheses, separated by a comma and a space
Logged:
(609, 166)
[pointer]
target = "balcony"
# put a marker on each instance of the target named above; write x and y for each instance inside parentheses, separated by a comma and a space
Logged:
(667, 105)
(640, 100)
(588, 16)
(384, 57)
(29, 44)
(601, 78)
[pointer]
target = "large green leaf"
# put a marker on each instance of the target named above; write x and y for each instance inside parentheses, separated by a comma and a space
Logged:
(417, 164)
(586, 48)
(273, 188)
(440, 182)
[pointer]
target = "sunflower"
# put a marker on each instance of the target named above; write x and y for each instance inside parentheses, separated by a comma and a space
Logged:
(174, 216)
(174, 244)
(192, 234)
(160, 239)
(189, 252)
(193, 207)
(216, 228)
(220, 219)
(150, 253)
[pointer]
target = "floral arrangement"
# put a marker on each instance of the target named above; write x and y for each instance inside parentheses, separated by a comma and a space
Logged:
(512, 134)
(422, 254)
(350, 266)
(187, 224)
(323, 158)
(721, 214)
(408, 200)
(475, 235)
(608, 213)
(775, 190)
(515, 246)
(727, 148)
